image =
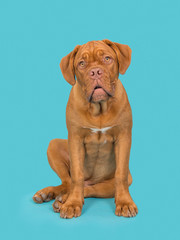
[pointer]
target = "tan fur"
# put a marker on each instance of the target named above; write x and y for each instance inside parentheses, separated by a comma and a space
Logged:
(93, 162)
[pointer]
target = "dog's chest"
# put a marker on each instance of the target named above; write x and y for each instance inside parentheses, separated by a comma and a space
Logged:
(99, 152)
(98, 141)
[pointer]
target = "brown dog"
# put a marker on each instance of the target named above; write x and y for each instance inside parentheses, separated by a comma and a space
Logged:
(94, 161)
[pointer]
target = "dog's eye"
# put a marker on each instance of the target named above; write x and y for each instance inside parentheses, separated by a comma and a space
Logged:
(107, 58)
(82, 64)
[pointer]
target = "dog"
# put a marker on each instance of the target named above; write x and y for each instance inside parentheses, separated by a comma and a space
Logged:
(94, 160)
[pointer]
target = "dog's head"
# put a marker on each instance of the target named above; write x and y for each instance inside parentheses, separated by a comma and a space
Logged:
(96, 65)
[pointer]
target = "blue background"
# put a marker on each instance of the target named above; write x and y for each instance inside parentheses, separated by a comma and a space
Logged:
(34, 36)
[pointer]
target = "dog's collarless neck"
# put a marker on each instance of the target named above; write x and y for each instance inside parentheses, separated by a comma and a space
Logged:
(98, 108)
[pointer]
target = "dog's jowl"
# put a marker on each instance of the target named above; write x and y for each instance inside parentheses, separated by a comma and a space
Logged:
(94, 160)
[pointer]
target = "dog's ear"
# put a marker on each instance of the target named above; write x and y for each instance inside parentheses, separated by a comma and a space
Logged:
(123, 53)
(67, 66)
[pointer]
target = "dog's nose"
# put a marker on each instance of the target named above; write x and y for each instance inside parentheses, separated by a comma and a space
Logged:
(95, 72)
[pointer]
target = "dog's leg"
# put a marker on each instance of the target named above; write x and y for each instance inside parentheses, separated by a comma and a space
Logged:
(104, 189)
(73, 205)
(125, 205)
(58, 158)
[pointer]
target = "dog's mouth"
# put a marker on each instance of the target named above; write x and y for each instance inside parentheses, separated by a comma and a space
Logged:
(99, 94)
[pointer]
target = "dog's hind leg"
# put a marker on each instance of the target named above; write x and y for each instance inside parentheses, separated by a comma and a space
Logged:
(104, 189)
(58, 158)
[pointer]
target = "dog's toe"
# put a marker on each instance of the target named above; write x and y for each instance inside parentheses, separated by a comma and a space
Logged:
(57, 206)
(62, 197)
(37, 198)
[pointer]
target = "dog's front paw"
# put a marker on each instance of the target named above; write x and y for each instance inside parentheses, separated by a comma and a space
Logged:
(126, 207)
(70, 209)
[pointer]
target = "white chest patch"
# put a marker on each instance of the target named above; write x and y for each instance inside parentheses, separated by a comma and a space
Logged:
(102, 130)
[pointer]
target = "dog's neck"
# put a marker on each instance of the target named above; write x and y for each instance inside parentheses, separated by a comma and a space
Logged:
(98, 108)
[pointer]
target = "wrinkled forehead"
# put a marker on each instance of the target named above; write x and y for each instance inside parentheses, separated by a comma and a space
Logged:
(94, 49)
